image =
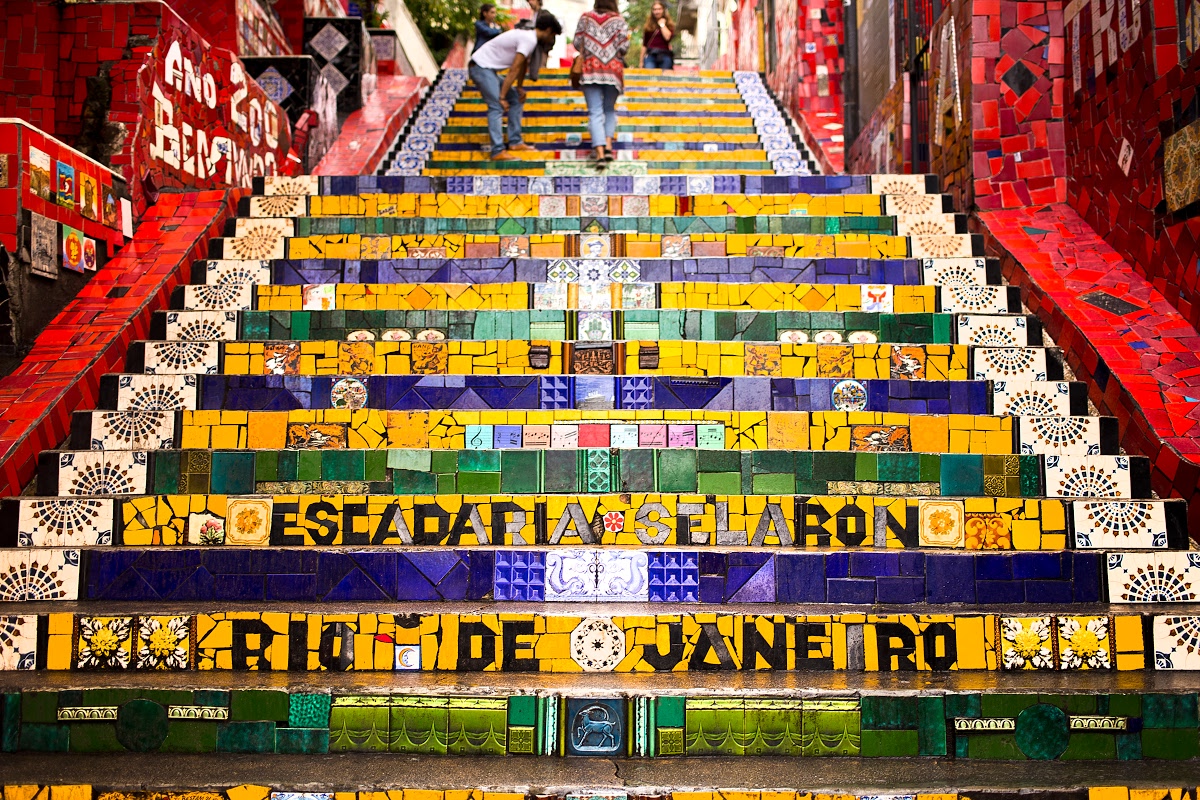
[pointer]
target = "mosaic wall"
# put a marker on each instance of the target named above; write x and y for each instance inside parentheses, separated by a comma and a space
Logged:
(961, 726)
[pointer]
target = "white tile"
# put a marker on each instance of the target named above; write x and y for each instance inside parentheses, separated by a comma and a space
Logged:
(898, 184)
(974, 299)
(896, 204)
(89, 473)
(1035, 398)
(574, 574)
(1073, 436)
(1165, 576)
(916, 224)
(244, 226)
(993, 331)
(220, 270)
(182, 358)
(1009, 363)
(156, 392)
(65, 522)
(954, 272)
(1119, 524)
(1087, 476)
(260, 240)
(18, 642)
(1176, 643)
(927, 245)
(32, 574)
(279, 205)
(293, 185)
(201, 326)
(218, 297)
(132, 430)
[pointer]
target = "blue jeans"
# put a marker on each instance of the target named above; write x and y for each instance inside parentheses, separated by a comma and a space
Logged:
(489, 82)
(659, 59)
(602, 111)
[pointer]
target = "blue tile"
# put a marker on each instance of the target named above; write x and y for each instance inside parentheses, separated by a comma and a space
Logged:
(900, 590)
(950, 578)
(1037, 565)
(800, 578)
(988, 591)
(850, 590)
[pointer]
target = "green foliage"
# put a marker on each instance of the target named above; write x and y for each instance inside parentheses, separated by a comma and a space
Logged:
(636, 12)
(443, 21)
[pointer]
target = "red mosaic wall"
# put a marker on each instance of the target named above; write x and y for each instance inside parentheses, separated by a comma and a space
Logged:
(99, 220)
(74, 72)
(242, 26)
(884, 144)
(951, 151)
(1129, 94)
(807, 76)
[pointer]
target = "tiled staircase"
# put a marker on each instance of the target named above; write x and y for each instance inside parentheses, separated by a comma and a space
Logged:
(699, 413)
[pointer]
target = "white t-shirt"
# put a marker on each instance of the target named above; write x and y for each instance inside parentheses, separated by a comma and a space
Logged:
(500, 52)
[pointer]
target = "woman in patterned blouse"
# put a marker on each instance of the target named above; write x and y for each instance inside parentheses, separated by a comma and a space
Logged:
(602, 39)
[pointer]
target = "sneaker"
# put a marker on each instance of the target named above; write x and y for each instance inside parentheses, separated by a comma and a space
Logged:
(503, 155)
(521, 147)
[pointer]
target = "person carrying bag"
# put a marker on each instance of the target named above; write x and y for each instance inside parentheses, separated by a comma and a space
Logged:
(602, 39)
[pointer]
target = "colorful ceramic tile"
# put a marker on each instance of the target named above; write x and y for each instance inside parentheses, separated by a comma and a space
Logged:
(201, 326)
(248, 522)
(89, 197)
(75, 522)
(1156, 577)
(156, 392)
(72, 249)
(1176, 642)
(64, 193)
(40, 180)
(181, 358)
(1119, 524)
(1088, 476)
(18, 642)
(101, 472)
(43, 246)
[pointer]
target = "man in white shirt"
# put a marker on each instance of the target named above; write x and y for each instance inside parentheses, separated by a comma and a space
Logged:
(512, 50)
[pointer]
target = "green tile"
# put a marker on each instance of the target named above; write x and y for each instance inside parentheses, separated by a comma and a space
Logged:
(520, 471)
(993, 746)
(963, 705)
(889, 712)
(415, 460)
(39, 707)
(343, 465)
(676, 470)
(832, 733)
(774, 484)
(405, 481)
(447, 484)
(417, 730)
(246, 737)
(190, 736)
(773, 731)
(108, 697)
(359, 729)
(479, 461)
(717, 731)
(479, 482)
(1090, 747)
(931, 725)
(233, 472)
(962, 474)
(10, 722)
(308, 465)
(266, 465)
(94, 737)
(771, 461)
(889, 743)
(301, 740)
(443, 461)
(1169, 710)
(166, 472)
(670, 712)
(287, 460)
(561, 471)
(308, 710)
(719, 483)
(1006, 705)
(376, 465)
(44, 738)
(522, 710)
(899, 467)
(477, 731)
(866, 467)
(259, 704)
(1168, 743)
(718, 461)
(931, 467)
(1125, 705)
(1129, 746)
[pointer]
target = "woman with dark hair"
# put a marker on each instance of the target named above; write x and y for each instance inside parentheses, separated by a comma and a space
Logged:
(656, 39)
(602, 39)
(486, 28)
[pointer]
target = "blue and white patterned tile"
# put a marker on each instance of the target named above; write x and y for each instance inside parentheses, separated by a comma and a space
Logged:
(1032, 398)
(156, 392)
(201, 326)
(35, 574)
(18, 642)
(65, 522)
(1009, 364)
(1155, 577)
(1088, 476)
(574, 574)
(520, 575)
(89, 473)
(1119, 524)
(1065, 436)
(132, 430)
(674, 576)
(1176, 642)
(181, 358)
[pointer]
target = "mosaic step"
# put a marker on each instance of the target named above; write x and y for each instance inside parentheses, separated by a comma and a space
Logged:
(910, 186)
(598, 469)
(966, 726)
(1011, 369)
(955, 273)
(668, 324)
(441, 203)
(838, 431)
(270, 242)
(286, 639)
(691, 295)
(282, 790)
(323, 519)
(585, 392)
(130, 575)
(598, 220)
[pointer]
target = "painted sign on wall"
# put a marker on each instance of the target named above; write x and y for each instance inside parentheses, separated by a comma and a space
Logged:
(205, 123)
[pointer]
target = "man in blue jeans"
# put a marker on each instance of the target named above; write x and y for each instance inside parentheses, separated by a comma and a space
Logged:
(512, 51)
